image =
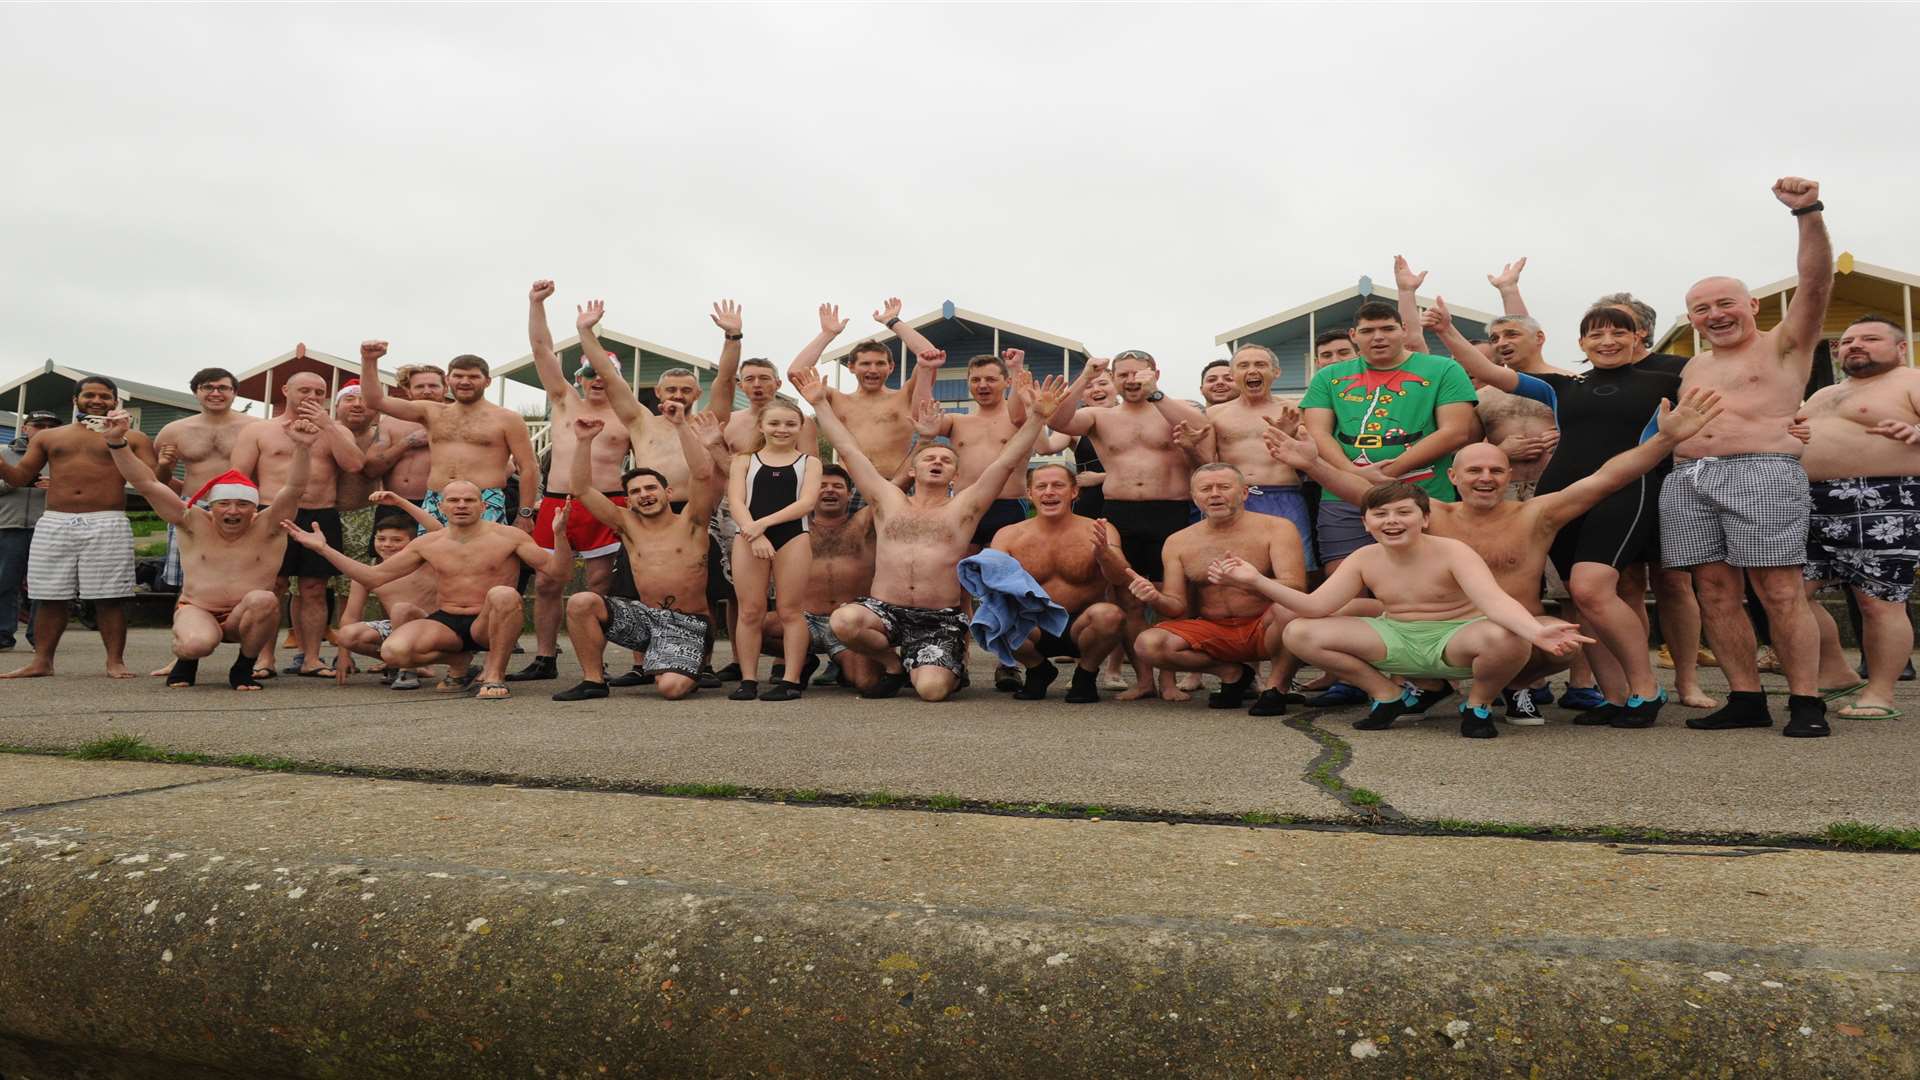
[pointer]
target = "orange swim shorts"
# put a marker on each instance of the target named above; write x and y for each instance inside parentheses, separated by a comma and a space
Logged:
(1226, 640)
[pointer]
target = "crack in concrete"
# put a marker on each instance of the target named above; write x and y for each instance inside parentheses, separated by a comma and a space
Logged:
(1324, 772)
(85, 799)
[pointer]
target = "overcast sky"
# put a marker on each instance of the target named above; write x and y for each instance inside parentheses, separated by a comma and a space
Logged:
(207, 185)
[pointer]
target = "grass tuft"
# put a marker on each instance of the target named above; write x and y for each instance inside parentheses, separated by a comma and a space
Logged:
(1364, 797)
(804, 795)
(702, 791)
(1860, 835)
(946, 802)
(119, 747)
(879, 798)
(1261, 817)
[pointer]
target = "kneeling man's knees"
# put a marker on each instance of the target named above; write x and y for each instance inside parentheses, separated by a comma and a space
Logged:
(673, 687)
(583, 602)
(1105, 617)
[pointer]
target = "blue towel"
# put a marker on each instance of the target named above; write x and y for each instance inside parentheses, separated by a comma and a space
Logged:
(1007, 603)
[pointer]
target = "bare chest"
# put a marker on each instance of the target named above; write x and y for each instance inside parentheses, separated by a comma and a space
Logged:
(457, 424)
(974, 432)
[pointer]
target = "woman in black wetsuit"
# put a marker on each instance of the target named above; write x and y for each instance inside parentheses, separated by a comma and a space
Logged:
(1601, 412)
(771, 491)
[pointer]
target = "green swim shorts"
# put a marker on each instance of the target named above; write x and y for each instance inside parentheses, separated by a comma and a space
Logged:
(1419, 648)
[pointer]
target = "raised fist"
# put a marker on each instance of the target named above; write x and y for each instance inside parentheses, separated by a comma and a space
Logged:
(370, 351)
(540, 291)
(1796, 192)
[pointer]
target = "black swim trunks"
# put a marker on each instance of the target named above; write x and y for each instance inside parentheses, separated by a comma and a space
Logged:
(463, 626)
(299, 562)
(926, 637)
(1002, 513)
(1144, 526)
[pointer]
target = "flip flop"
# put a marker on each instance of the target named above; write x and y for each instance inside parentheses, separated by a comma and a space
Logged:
(1842, 691)
(321, 672)
(1867, 712)
(451, 685)
(262, 674)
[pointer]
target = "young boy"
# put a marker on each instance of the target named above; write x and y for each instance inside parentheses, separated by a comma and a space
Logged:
(403, 601)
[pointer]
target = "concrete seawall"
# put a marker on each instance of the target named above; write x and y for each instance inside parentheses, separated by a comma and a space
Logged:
(262, 925)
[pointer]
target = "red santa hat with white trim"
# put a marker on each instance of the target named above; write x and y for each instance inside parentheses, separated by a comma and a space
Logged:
(232, 484)
(351, 386)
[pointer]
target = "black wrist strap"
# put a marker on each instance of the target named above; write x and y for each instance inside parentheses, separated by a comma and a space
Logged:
(116, 446)
(1811, 208)
(735, 337)
(890, 322)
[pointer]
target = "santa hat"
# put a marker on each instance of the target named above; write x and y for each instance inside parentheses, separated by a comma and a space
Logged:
(352, 386)
(232, 484)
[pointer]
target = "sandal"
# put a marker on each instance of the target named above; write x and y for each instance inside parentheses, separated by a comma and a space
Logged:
(1868, 712)
(1829, 694)
(450, 685)
(493, 691)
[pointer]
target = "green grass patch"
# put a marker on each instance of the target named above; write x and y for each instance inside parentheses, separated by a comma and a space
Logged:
(1094, 811)
(119, 747)
(946, 802)
(1487, 828)
(803, 795)
(1364, 797)
(1041, 808)
(1261, 817)
(702, 791)
(262, 762)
(879, 798)
(1860, 835)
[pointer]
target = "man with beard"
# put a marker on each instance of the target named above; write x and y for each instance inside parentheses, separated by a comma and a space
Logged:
(265, 452)
(231, 551)
(590, 541)
(1217, 385)
(202, 443)
(1512, 537)
(1735, 508)
(656, 444)
(1221, 630)
(843, 547)
(1863, 464)
(1445, 616)
(916, 603)
(476, 563)
(406, 454)
(881, 419)
(1146, 493)
(1075, 559)
(83, 544)
(467, 438)
(666, 621)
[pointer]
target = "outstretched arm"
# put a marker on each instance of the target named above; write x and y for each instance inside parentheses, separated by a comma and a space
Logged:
(426, 521)
(406, 562)
(1674, 426)
(305, 434)
(852, 458)
(619, 392)
(546, 363)
(986, 487)
(1507, 281)
(728, 316)
(1298, 450)
(1478, 583)
(831, 326)
(1440, 320)
(1333, 594)
(376, 395)
(1800, 330)
(1406, 287)
(912, 341)
(137, 474)
(1068, 419)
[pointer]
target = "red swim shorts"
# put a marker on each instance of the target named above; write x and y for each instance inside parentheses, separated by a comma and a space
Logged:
(585, 534)
(1226, 640)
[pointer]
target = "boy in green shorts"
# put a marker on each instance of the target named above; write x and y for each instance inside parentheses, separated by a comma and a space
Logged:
(1446, 617)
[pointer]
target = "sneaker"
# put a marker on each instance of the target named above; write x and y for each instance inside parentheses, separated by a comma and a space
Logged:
(1083, 689)
(1109, 681)
(539, 669)
(1522, 710)
(888, 685)
(1542, 695)
(1336, 695)
(1663, 658)
(1582, 698)
(406, 680)
(1427, 699)
(293, 668)
(637, 677)
(1767, 660)
(1382, 714)
(1476, 722)
(1641, 712)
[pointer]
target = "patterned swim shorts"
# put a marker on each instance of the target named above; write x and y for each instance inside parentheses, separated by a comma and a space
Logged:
(820, 629)
(1865, 533)
(926, 637)
(670, 640)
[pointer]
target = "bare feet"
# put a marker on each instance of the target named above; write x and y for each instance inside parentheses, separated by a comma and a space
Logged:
(35, 670)
(118, 670)
(1174, 693)
(160, 671)
(1696, 698)
(1135, 694)
(1186, 680)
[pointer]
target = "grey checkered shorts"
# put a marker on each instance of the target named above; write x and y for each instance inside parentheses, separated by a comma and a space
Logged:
(1746, 510)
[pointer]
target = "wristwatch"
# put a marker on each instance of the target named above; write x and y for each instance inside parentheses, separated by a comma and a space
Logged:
(529, 512)
(1156, 396)
(735, 337)
(890, 322)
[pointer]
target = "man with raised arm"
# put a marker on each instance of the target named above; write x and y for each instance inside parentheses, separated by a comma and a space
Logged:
(1146, 495)
(591, 541)
(1863, 462)
(665, 621)
(201, 443)
(1076, 560)
(403, 458)
(1735, 507)
(843, 546)
(1207, 628)
(1446, 616)
(467, 438)
(1513, 537)
(916, 603)
(879, 418)
(979, 436)
(656, 443)
(82, 544)
(1239, 428)
(265, 452)
(231, 550)
(477, 564)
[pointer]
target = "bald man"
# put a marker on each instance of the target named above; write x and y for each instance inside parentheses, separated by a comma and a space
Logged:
(1735, 508)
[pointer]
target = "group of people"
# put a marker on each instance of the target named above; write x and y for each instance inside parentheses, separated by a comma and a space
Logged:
(1437, 505)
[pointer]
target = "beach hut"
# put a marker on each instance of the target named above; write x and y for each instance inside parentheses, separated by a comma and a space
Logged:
(1290, 333)
(52, 385)
(964, 334)
(1858, 289)
(265, 383)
